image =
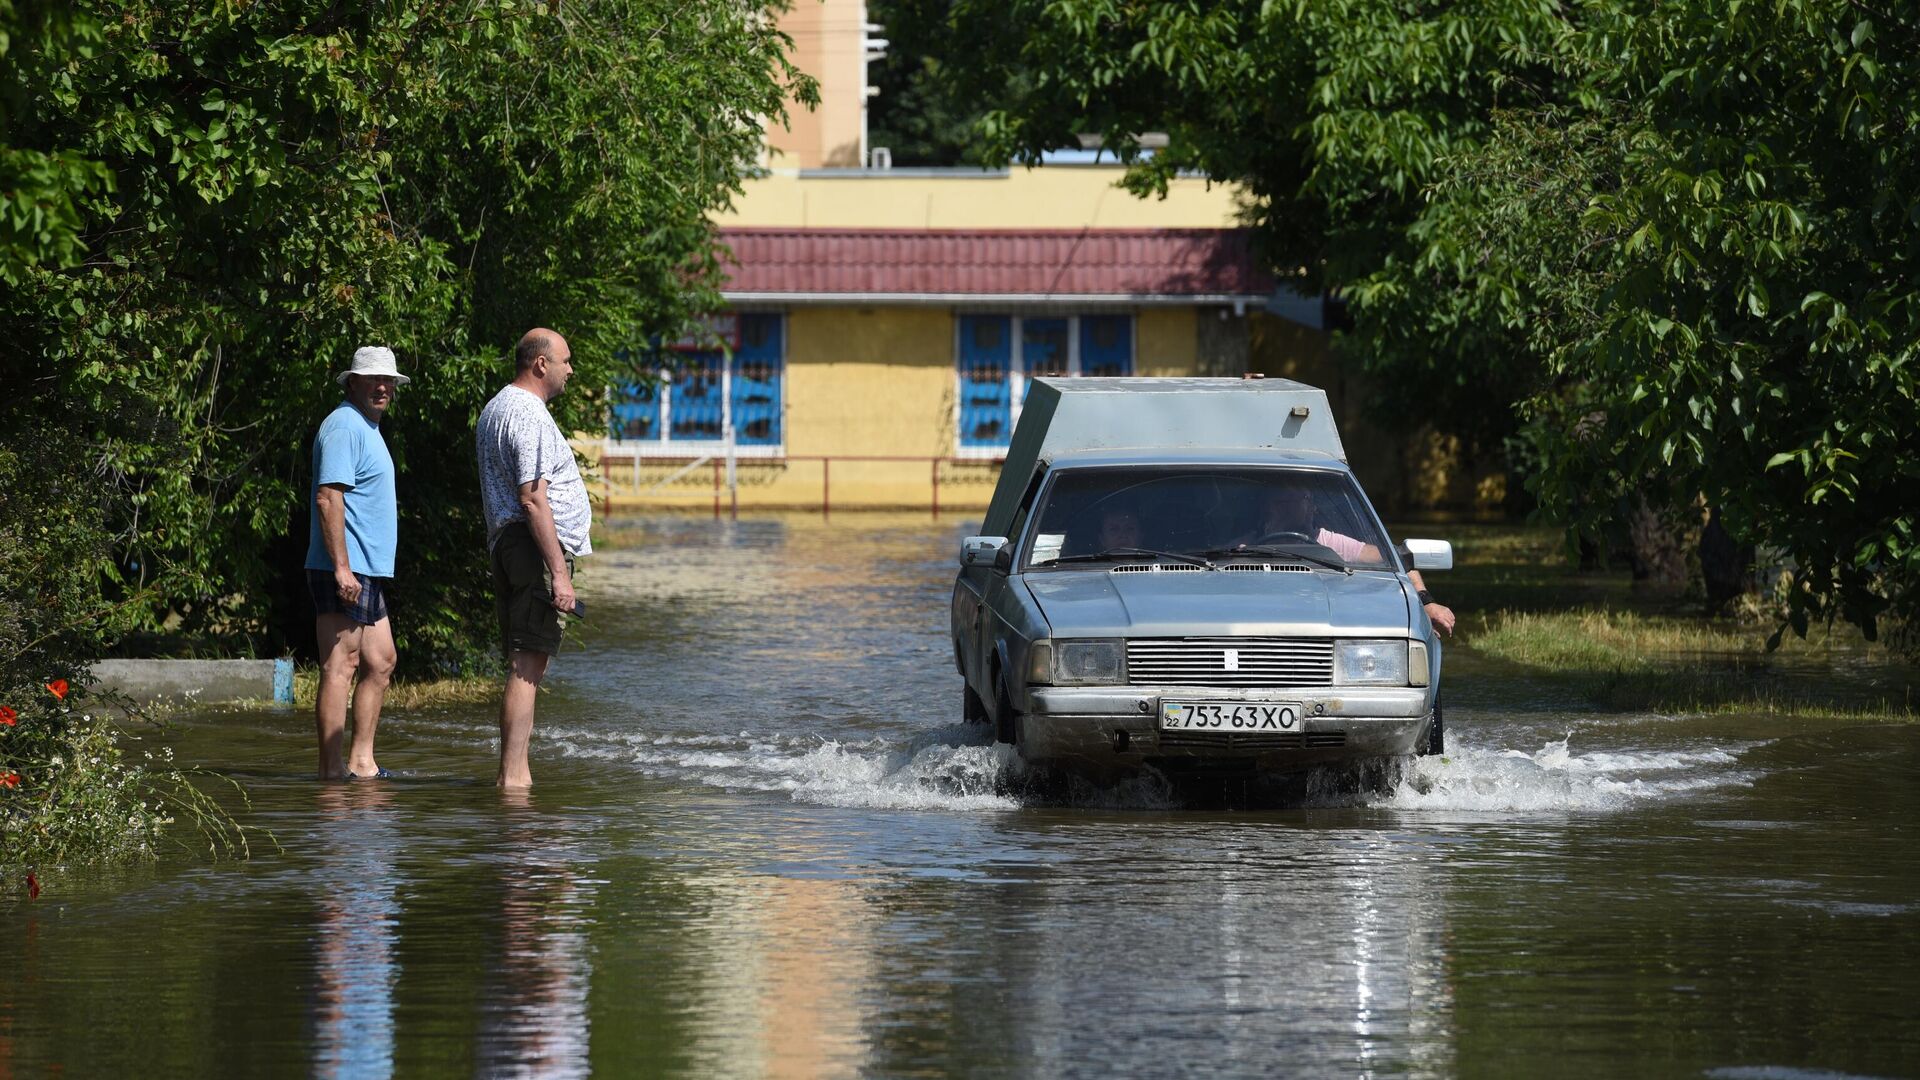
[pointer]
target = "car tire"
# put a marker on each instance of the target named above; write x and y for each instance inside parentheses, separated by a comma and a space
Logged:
(972, 709)
(1005, 723)
(1436, 733)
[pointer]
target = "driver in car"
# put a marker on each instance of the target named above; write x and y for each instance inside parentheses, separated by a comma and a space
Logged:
(1119, 528)
(1293, 513)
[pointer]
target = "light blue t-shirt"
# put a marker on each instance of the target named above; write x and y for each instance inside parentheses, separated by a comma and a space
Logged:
(349, 450)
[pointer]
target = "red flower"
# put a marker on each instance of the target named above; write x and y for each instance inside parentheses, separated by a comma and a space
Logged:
(58, 688)
(8, 716)
(12, 779)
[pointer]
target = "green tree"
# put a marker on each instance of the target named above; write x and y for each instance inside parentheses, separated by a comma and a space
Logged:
(208, 206)
(917, 113)
(1713, 247)
(1676, 239)
(1334, 118)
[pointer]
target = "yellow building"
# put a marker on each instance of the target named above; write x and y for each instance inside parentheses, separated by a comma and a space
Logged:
(884, 322)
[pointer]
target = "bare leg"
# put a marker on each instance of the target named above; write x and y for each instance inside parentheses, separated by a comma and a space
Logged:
(377, 657)
(339, 639)
(516, 716)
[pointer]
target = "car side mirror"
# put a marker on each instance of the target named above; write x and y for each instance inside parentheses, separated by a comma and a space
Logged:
(1430, 554)
(985, 551)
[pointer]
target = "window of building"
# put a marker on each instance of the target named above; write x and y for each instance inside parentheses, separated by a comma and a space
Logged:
(998, 354)
(704, 392)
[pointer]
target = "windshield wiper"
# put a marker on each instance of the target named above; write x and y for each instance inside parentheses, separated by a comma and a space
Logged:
(1125, 552)
(1275, 549)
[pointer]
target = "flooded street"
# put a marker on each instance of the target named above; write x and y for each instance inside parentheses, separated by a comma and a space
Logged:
(761, 843)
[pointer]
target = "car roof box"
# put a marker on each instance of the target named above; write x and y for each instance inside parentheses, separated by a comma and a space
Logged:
(1066, 415)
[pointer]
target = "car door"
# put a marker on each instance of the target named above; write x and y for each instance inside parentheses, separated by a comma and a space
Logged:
(979, 591)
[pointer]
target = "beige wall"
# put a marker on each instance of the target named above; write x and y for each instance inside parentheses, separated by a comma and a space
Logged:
(826, 45)
(1051, 197)
(870, 380)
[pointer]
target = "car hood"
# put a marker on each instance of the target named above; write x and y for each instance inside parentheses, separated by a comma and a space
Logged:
(1094, 603)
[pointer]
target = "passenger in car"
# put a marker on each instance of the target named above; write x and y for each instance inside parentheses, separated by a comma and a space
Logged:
(1294, 512)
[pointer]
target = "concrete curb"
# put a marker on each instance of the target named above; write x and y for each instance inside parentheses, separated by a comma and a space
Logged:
(199, 681)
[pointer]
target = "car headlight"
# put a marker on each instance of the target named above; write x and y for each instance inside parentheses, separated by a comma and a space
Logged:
(1370, 663)
(1089, 663)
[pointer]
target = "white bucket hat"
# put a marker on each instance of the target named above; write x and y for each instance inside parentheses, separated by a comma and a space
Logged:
(373, 360)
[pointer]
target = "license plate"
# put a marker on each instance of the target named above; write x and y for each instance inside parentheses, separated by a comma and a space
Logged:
(1228, 716)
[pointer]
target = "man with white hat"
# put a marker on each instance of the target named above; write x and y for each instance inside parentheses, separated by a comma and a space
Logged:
(350, 552)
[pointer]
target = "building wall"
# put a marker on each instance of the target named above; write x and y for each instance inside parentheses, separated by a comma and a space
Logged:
(867, 382)
(876, 381)
(826, 45)
(1051, 197)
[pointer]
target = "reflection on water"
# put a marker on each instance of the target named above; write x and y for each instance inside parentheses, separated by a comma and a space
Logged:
(762, 845)
(533, 1010)
(353, 941)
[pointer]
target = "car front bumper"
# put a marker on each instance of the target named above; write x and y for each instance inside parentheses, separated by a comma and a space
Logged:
(1119, 727)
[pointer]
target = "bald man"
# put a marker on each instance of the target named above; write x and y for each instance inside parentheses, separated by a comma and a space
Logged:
(538, 517)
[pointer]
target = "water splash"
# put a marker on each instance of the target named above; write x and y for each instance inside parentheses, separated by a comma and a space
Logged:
(949, 768)
(1556, 778)
(957, 768)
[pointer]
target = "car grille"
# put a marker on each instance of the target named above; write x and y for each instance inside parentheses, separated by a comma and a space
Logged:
(1229, 741)
(1260, 662)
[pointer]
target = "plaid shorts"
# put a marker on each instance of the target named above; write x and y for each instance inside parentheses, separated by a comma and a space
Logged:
(369, 609)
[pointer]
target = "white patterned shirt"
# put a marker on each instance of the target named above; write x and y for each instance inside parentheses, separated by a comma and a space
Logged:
(517, 442)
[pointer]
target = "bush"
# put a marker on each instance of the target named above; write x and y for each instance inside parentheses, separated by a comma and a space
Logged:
(67, 790)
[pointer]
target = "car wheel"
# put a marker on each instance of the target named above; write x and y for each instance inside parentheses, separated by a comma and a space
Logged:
(1004, 721)
(1436, 734)
(972, 709)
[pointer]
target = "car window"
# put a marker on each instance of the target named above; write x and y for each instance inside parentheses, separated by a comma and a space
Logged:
(1218, 510)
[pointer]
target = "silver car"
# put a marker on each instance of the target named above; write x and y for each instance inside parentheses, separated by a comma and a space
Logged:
(1195, 609)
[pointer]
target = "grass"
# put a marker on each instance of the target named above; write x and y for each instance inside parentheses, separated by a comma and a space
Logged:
(1525, 611)
(1588, 639)
(410, 693)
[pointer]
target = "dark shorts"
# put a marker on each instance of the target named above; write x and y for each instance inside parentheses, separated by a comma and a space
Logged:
(523, 593)
(369, 609)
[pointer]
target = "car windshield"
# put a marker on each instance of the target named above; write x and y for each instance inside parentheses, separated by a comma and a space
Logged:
(1097, 515)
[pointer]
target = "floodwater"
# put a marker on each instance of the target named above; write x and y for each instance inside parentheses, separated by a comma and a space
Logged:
(761, 844)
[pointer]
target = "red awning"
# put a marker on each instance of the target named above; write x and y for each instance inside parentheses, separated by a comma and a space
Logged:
(1193, 265)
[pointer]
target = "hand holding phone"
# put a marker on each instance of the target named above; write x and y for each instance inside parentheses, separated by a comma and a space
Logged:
(578, 610)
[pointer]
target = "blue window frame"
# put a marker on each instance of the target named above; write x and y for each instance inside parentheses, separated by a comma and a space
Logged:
(1106, 346)
(1045, 347)
(986, 364)
(694, 397)
(759, 374)
(704, 391)
(999, 354)
(636, 411)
